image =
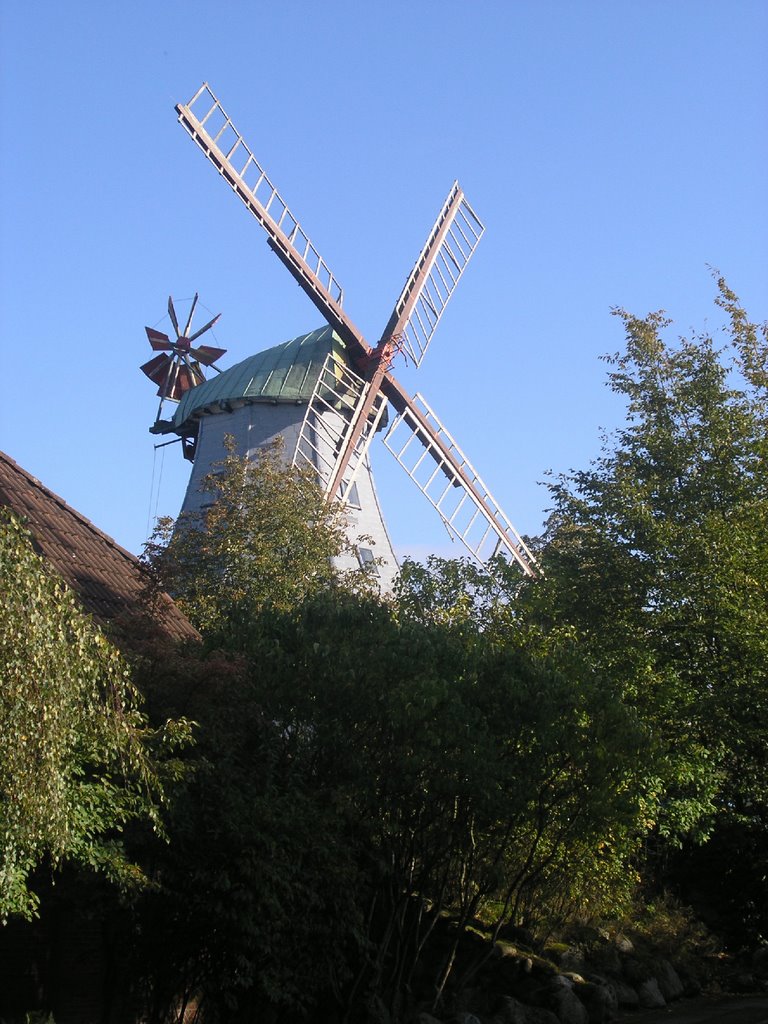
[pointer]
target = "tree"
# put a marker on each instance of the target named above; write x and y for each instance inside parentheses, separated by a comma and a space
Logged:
(656, 558)
(77, 761)
(266, 538)
(366, 766)
(254, 846)
(365, 776)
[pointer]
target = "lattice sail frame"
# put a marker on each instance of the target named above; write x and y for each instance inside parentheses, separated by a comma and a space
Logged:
(449, 247)
(208, 124)
(331, 416)
(480, 525)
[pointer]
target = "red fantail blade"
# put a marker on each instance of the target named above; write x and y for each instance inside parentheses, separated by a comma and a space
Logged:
(157, 369)
(205, 328)
(187, 377)
(157, 339)
(191, 314)
(172, 315)
(206, 354)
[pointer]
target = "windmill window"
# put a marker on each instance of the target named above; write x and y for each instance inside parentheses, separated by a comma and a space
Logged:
(367, 561)
(351, 494)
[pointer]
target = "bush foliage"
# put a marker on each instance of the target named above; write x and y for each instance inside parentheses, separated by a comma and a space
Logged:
(76, 762)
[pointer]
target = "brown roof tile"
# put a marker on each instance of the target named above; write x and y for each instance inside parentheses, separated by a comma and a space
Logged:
(110, 582)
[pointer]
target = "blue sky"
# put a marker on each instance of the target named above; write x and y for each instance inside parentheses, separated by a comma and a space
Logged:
(614, 151)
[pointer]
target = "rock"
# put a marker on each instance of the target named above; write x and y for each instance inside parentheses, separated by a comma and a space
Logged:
(554, 950)
(572, 959)
(570, 1009)
(670, 985)
(426, 1018)
(606, 959)
(623, 944)
(760, 962)
(650, 995)
(744, 982)
(511, 970)
(558, 996)
(467, 1000)
(600, 1001)
(465, 1018)
(691, 984)
(538, 1015)
(626, 995)
(510, 1011)
(519, 936)
(377, 1013)
(636, 971)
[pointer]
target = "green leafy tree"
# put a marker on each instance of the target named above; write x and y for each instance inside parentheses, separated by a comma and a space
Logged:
(656, 561)
(366, 767)
(267, 537)
(254, 847)
(365, 774)
(77, 760)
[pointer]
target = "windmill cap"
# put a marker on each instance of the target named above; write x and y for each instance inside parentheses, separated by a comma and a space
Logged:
(283, 373)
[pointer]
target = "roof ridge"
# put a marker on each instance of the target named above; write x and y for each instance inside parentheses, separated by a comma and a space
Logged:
(109, 581)
(110, 541)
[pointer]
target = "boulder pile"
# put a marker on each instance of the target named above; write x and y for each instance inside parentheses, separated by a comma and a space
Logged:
(594, 981)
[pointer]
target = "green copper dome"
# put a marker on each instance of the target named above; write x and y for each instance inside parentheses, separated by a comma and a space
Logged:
(284, 373)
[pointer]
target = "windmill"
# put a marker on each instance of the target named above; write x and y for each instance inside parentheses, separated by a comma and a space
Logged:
(176, 373)
(353, 386)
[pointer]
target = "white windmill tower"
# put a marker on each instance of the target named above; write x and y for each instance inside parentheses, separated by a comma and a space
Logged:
(327, 393)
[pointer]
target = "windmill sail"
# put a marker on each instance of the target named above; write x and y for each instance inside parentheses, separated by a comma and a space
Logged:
(349, 401)
(444, 258)
(208, 124)
(337, 403)
(446, 477)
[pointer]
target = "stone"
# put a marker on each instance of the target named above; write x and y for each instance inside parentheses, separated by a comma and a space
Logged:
(377, 1013)
(570, 1009)
(600, 1001)
(606, 958)
(670, 985)
(539, 1015)
(626, 995)
(558, 996)
(691, 984)
(572, 959)
(511, 1011)
(650, 995)
(744, 982)
(760, 962)
(519, 936)
(636, 971)
(426, 1018)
